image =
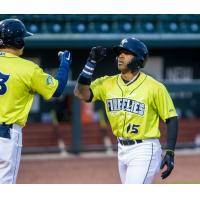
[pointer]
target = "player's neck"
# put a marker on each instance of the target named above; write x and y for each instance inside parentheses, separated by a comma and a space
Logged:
(17, 52)
(129, 76)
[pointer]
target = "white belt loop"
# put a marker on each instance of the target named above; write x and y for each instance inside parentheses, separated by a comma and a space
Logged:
(17, 127)
(17, 134)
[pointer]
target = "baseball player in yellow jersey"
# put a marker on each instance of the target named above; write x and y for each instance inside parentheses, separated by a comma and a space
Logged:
(19, 80)
(134, 102)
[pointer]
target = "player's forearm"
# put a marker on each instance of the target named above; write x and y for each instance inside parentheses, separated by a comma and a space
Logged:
(82, 91)
(82, 88)
(172, 132)
(62, 73)
(62, 77)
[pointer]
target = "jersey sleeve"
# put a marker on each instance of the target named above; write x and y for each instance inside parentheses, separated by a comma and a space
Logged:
(164, 103)
(98, 89)
(43, 83)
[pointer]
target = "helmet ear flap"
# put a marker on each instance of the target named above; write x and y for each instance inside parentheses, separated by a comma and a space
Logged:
(138, 61)
(18, 42)
(135, 64)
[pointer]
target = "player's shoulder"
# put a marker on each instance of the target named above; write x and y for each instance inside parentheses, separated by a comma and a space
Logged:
(27, 66)
(107, 79)
(154, 82)
(27, 63)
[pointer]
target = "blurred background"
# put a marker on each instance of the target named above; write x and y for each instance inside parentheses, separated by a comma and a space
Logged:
(67, 125)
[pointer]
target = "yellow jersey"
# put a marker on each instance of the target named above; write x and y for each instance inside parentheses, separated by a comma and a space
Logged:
(134, 109)
(19, 80)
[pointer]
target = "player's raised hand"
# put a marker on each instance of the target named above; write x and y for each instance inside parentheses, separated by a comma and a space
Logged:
(65, 58)
(168, 160)
(97, 54)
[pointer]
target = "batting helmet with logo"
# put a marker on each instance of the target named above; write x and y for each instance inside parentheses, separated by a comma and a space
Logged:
(12, 33)
(136, 47)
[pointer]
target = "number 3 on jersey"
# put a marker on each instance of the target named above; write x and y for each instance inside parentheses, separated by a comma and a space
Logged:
(132, 128)
(3, 80)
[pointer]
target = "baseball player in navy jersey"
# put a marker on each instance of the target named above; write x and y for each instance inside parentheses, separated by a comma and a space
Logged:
(134, 102)
(19, 80)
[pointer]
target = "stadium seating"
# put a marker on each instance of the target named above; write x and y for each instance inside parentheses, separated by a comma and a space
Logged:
(44, 137)
(110, 23)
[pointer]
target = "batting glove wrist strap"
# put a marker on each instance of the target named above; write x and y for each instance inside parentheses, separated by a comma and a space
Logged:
(83, 80)
(170, 152)
(88, 70)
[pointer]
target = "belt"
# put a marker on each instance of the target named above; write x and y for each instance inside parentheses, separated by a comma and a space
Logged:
(129, 142)
(5, 130)
(4, 124)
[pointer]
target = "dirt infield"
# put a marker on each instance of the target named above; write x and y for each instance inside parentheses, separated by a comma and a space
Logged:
(96, 170)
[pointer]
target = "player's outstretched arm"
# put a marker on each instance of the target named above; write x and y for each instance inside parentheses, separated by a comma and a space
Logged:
(82, 88)
(65, 59)
(168, 160)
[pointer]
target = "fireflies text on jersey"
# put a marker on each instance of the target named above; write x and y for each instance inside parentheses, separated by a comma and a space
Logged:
(129, 105)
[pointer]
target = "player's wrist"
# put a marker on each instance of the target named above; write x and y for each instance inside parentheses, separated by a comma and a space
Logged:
(91, 64)
(170, 152)
(84, 80)
(88, 70)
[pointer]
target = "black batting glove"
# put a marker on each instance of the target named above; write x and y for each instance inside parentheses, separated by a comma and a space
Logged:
(168, 160)
(97, 54)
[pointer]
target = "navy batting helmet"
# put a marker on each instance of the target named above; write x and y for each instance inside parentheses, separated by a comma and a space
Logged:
(136, 47)
(12, 33)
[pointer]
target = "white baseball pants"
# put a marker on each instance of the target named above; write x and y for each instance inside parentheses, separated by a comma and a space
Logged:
(10, 155)
(139, 163)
